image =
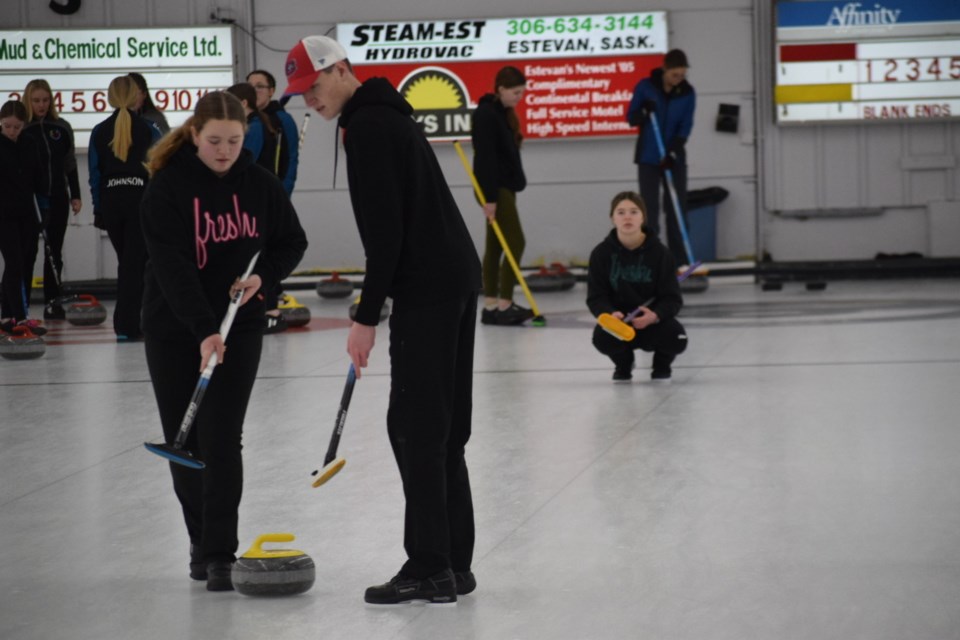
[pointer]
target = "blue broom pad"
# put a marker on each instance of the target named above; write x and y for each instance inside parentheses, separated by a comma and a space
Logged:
(172, 454)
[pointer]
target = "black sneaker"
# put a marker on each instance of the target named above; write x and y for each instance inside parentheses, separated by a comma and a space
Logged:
(218, 576)
(623, 373)
(440, 588)
(466, 582)
(198, 568)
(488, 316)
(661, 367)
(54, 311)
(513, 315)
(275, 324)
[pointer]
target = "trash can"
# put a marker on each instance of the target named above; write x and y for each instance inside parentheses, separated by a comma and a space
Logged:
(702, 221)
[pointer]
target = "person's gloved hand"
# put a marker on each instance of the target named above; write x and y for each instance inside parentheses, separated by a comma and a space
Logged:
(675, 154)
(641, 115)
(98, 220)
(647, 108)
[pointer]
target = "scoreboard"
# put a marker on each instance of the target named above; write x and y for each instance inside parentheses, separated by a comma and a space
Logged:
(867, 61)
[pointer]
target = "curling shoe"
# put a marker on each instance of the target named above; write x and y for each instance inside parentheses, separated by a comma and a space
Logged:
(661, 367)
(198, 568)
(275, 324)
(466, 582)
(218, 576)
(54, 311)
(513, 315)
(440, 588)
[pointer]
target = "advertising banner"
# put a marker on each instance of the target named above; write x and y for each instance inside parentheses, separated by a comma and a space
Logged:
(581, 70)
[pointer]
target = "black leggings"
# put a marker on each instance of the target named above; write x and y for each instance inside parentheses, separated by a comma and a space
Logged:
(210, 498)
(121, 215)
(15, 239)
(667, 338)
(429, 423)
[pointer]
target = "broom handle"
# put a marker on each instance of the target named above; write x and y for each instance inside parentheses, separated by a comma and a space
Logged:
(683, 276)
(207, 373)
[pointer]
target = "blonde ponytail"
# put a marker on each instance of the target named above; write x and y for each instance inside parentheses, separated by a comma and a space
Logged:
(122, 95)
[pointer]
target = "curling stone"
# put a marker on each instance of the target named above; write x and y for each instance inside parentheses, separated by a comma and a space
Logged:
(334, 287)
(22, 344)
(296, 314)
(384, 310)
(771, 285)
(544, 280)
(87, 313)
(273, 572)
(563, 274)
(695, 284)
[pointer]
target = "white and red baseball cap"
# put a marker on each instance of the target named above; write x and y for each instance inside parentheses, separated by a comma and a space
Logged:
(307, 59)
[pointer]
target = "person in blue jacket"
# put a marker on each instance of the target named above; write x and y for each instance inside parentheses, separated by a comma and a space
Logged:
(668, 95)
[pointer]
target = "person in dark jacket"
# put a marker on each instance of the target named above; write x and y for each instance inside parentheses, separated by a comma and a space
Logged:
(412, 233)
(117, 150)
(145, 107)
(208, 209)
(668, 95)
(261, 139)
(54, 138)
(21, 182)
(631, 269)
(266, 85)
(496, 163)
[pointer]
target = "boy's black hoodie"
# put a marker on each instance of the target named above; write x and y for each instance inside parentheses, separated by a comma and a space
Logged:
(201, 231)
(496, 156)
(621, 279)
(418, 249)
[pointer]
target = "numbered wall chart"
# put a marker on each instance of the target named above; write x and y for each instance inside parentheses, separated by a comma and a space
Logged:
(179, 65)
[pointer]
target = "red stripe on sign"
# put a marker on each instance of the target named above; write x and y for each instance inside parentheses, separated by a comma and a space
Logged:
(818, 52)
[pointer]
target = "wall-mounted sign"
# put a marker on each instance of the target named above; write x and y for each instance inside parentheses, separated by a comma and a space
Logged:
(853, 61)
(180, 66)
(581, 70)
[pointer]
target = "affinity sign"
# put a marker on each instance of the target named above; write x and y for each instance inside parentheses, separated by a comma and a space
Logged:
(852, 61)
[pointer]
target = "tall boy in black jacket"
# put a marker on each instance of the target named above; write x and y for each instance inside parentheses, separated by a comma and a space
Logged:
(409, 224)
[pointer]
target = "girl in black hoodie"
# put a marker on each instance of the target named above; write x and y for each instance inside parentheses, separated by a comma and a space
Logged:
(631, 269)
(206, 211)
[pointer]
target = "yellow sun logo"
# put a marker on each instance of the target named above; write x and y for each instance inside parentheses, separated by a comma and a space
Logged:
(433, 92)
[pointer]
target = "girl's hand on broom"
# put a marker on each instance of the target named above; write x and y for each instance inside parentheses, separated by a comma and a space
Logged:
(212, 344)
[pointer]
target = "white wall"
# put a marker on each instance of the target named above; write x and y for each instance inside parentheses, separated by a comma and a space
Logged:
(905, 176)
